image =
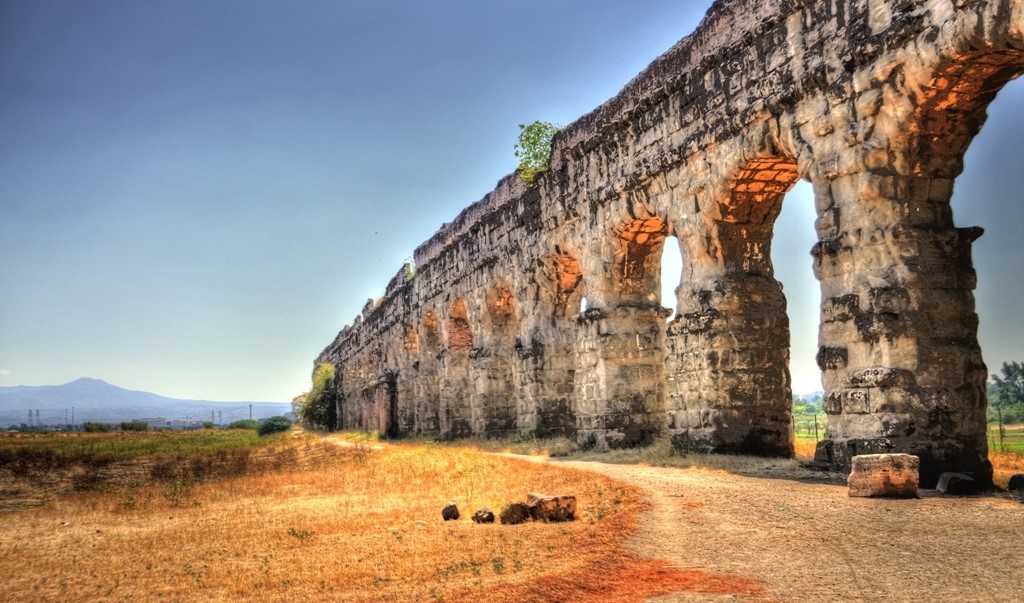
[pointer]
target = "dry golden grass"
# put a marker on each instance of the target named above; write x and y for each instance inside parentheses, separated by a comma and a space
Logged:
(1004, 465)
(1012, 462)
(803, 449)
(364, 528)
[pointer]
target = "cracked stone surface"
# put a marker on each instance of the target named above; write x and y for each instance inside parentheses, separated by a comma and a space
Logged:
(872, 101)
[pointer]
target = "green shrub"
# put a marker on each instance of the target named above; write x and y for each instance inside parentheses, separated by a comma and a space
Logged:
(91, 427)
(274, 425)
(534, 149)
(134, 426)
(252, 424)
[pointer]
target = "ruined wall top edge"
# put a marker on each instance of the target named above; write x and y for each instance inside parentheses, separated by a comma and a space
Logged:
(725, 24)
(508, 188)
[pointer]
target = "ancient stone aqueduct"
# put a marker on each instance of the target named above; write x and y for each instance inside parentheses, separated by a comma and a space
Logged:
(873, 101)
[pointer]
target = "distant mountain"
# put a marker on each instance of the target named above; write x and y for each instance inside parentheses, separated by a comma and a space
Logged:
(95, 400)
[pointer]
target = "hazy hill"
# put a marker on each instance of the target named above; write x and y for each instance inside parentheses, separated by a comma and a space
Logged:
(95, 400)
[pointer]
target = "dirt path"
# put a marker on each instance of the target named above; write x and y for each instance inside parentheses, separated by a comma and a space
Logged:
(809, 541)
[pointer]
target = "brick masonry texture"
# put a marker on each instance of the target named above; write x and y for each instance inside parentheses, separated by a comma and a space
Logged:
(872, 101)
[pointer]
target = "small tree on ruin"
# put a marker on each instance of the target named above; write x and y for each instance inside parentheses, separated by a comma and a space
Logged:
(534, 149)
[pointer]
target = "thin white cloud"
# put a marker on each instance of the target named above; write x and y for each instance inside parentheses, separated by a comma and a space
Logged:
(5, 373)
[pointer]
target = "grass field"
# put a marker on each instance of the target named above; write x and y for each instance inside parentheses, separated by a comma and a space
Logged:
(1012, 439)
(25, 453)
(365, 527)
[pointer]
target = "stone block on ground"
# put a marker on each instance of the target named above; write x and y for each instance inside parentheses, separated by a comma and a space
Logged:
(1016, 483)
(450, 512)
(885, 475)
(552, 508)
(956, 484)
(483, 515)
(515, 513)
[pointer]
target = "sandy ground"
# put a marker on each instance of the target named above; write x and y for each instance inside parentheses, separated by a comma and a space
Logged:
(806, 540)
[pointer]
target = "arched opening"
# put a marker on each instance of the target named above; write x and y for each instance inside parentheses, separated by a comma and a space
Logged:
(432, 331)
(547, 349)
(411, 341)
(621, 382)
(559, 286)
(426, 389)
(989, 194)
(501, 307)
(748, 217)
(954, 109)
(460, 337)
(640, 243)
(730, 349)
(961, 100)
(457, 391)
(494, 404)
(671, 274)
(794, 237)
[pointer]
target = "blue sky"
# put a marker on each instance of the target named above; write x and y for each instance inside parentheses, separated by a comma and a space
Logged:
(195, 196)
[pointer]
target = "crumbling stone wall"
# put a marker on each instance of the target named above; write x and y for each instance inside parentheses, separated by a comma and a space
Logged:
(873, 101)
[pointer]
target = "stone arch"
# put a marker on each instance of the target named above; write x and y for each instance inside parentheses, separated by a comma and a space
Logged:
(502, 307)
(638, 245)
(952, 108)
(407, 376)
(390, 421)
(379, 396)
(729, 346)
(456, 416)
(431, 331)
(494, 407)
(545, 348)
(460, 335)
(559, 281)
(411, 340)
(620, 381)
(748, 213)
(899, 352)
(427, 369)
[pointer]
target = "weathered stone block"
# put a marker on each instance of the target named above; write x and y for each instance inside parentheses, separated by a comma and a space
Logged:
(884, 475)
(552, 508)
